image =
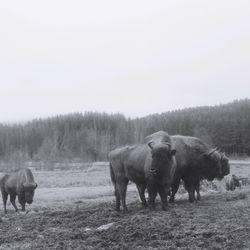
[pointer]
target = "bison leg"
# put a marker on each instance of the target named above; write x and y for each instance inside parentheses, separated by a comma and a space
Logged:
(122, 188)
(163, 192)
(190, 184)
(22, 202)
(191, 196)
(117, 199)
(4, 197)
(174, 187)
(152, 192)
(141, 189)
(197, 189)
(13, 201)
(198, 194)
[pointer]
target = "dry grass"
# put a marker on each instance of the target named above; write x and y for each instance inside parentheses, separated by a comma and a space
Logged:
(237, 196)
(92, 176)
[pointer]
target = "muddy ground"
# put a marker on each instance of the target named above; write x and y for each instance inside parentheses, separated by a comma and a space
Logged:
(220, 221)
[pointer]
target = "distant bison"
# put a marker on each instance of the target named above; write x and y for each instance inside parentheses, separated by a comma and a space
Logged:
(196, 161)
(232, 181)
(21, 184)
(150, 165)
(244, 180)
(225, 170)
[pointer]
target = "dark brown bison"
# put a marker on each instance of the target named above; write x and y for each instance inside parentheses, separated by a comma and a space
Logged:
(150, 165)
(225, 170)
(21, 184)
(196, 161)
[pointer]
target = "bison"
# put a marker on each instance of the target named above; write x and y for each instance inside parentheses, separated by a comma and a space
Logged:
(196, 161)
(21, 184)
(150, 165)
(225, 170)
(244, 180)
(232, 181)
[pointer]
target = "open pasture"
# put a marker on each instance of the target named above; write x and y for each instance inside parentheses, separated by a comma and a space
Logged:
(74, 210)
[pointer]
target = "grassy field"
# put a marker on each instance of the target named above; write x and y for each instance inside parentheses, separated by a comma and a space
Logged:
(70, 206)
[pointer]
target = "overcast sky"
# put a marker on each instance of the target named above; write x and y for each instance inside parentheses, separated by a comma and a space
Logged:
(133, 57)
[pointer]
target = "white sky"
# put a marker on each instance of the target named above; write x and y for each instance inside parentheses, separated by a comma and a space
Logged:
(133, 57)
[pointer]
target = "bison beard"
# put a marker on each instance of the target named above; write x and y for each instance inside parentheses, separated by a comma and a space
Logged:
(157, 181)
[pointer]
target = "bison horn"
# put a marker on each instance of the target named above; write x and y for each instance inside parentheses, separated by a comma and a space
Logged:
(150, 144)
(168, 144)
(211, 151)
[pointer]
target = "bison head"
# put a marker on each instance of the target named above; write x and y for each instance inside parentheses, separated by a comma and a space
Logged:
(29, 191)
(162, 158)
(212, 165)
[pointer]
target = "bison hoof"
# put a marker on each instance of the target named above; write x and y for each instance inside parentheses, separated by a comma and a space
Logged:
(171, 200)
(144, 205)
(117, 209)
(151, 208)
(125, 211)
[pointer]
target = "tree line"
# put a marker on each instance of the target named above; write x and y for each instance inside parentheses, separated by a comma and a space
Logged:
(90, 136)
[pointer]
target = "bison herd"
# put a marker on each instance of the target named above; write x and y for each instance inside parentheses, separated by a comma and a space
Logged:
(158, 165)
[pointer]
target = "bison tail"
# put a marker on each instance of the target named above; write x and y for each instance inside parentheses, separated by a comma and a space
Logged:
(112, 174)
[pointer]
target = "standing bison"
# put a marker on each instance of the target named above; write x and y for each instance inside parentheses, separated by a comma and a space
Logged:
(21, 184)
(150, 165)
(196, 161)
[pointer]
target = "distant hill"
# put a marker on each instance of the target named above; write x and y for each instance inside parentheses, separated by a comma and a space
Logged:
(90, 136)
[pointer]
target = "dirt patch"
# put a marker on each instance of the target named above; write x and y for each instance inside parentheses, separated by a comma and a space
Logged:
(216, 222)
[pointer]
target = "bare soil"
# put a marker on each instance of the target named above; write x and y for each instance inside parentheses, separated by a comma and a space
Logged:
(219, 221)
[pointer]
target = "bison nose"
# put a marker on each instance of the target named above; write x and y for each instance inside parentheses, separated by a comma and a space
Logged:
(154, 171)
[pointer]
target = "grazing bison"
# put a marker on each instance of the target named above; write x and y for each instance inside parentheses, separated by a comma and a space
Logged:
(232, 181)
(225, 170)
(21, 184)
(196, 161)
(150, 165)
